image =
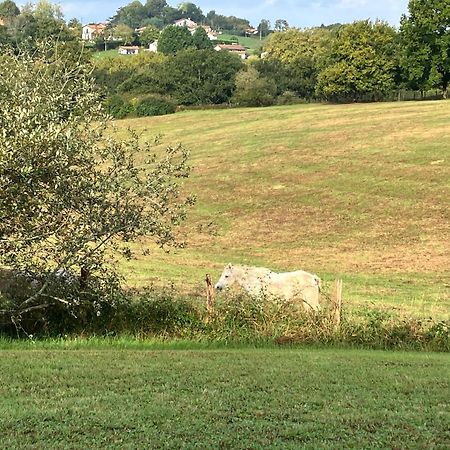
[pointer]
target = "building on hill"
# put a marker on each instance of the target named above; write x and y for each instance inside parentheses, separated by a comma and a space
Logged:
(92, 30)
(210, 32)
(140, 30)
(2, 21)
(128, 50)
(153, 47)
(251, 31)
(232, 48)
(188, 23)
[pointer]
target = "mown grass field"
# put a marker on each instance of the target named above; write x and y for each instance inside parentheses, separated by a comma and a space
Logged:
(252, 43)
(107, 397)
(355, 191)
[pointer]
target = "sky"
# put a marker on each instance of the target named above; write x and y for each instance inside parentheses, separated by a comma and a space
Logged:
(298, 13)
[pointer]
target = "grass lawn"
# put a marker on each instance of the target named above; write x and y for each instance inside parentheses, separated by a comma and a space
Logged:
(252, 43)
(355, 191)
(108, 397)
(108, 54)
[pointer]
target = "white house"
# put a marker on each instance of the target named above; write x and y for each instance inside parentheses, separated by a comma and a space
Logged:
(92, 30)
(128, 50)
(190, 24)
(153, 47)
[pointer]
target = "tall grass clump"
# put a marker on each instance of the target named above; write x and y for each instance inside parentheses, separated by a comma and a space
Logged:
(163, 314)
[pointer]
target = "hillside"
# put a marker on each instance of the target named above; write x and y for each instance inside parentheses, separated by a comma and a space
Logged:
(357, 191)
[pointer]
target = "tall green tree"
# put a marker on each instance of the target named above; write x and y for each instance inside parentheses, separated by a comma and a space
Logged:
(201, 40)
(39, 21)
(72, 195)
(173, 39)
(362, 63)
(8, 9)
(425, 37)
(281, 25)
(191, 11)
(124, 33)
(149, 35)
(133, 15)
(301, 54)
(155, 8)
(199, 77)
(264, 28)
(252, 89)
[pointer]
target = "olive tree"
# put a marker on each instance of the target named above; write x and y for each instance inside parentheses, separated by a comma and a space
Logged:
(73, 195)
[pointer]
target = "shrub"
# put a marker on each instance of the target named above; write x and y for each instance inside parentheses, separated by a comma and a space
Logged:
(253, 90)
(118, 107)
(155, 105)
(287, 98)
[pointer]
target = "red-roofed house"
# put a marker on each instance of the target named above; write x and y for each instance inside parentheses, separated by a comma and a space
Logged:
(232, 48)
(92, 30)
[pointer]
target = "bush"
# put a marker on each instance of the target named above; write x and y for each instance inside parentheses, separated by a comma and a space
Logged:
(287, 98)
(253, 90)
(103, 309)
(155, 105)
(118, 107)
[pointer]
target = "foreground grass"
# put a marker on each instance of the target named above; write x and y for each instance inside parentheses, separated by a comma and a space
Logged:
(354, 191)
(105, 397)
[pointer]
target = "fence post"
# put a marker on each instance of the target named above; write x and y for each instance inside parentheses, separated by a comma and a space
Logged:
(209, 295)
(337, 303)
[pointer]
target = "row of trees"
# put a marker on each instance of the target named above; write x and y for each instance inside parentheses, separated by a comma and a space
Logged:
(189, 77)
(364, 60)
(34, 22)
(158, 13)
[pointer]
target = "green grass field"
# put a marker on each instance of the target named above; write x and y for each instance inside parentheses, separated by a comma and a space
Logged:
(355, 191)
(252, 43)
(108, 397)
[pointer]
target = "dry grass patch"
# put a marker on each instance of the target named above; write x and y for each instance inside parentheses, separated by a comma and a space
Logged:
(354, 190)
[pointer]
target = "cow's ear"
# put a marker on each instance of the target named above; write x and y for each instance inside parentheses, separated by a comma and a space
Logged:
(229, 266)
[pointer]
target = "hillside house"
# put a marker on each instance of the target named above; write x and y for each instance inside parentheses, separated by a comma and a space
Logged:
(210, 32)
(188, 23)
(92, 30)
(128, 50)
(153, 47)
(232, 48)
(2, 21)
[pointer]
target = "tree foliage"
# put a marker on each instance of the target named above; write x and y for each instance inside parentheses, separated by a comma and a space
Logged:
(300, 54)
(8, 9)
(252, 89)
(123, 33)
(362, 62)
(155, 8)
(231, 24)
(36, 22)
(191, 11)
(72, 195)
(149, 35)
(201, 40)
(425, 37)
(132, 15)
(173, 39)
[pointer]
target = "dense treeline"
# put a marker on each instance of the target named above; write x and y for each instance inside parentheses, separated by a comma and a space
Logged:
(159, 13)
(361, 61)
(23, 28)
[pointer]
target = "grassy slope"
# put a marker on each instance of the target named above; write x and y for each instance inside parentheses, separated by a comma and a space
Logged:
(252, 43)
(282, 399)
(356, 191)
